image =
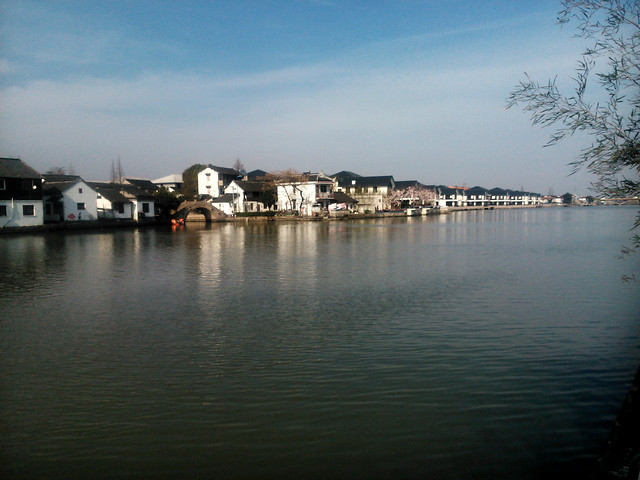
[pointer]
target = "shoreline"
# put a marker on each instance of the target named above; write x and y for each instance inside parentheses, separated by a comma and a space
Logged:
(102, 225)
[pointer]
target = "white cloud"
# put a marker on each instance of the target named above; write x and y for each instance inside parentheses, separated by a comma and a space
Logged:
(425, 118)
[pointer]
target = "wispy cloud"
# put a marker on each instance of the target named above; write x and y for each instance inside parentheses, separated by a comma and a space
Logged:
(397, 106)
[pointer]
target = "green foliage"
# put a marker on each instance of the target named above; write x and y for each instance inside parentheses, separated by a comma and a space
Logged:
(166, 202)
(190, 181)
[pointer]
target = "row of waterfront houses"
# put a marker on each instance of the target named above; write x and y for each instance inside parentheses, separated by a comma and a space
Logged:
(314, 192)
(28, 198)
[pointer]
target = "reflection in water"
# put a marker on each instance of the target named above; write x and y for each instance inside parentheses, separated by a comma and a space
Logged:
(481, 344)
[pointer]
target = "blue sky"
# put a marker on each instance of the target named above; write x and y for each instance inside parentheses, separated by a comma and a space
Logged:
(413, 89)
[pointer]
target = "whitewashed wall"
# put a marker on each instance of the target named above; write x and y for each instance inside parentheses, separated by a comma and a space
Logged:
(15, 216)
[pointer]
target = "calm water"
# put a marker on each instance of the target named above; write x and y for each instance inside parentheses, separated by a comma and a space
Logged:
(481, 345)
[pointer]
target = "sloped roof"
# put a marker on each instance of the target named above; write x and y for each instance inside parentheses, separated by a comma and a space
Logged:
(341, 197)
(126, 191)
(57, 178)
(345, 174)
(379, 181)
(445, 190)
(256, 174)
(317, 177)
(114, 196)
(248, 186)
(174, 178)
(226, 171)
(226, 198)
(477, 190)
(402, 184)
(143, 183)
(16, 168)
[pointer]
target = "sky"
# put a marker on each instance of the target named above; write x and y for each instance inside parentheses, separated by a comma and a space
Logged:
(413, 89)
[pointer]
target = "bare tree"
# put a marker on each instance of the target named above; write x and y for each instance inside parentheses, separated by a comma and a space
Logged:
(117, 172)
(290, 181)
(56, 171)
(238, 165)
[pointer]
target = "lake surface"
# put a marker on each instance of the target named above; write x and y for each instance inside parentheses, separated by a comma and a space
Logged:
(490, 344)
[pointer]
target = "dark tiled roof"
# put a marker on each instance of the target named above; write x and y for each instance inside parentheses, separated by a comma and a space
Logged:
(114, 196)
(55, 178)
(476, 190)
(226, 171)
(445, 190)
(251, 186)
(256, 174)
(341, 197)
(226, 198)
(344, 175)
(16, 168)
(143, 184)
(380, 181)
(105, 187)
(139, 193)
(402, 184)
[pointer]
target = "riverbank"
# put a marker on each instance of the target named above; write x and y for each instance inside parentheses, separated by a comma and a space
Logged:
(621, 457)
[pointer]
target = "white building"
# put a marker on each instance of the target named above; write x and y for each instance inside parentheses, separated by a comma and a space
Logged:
(308, 194)
(213, 180)
(124, 202)
(248, 196)
(68, 198)
(20, 194)
(371, 193)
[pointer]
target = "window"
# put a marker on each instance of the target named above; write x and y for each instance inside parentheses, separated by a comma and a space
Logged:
(47, 209)
(79, 190)
(80, 206)
(145, 207)
(3, 210)
(120, 207)
(99, 196)
(28, 210)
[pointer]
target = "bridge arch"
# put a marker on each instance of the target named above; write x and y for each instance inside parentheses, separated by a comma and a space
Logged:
(211, 213)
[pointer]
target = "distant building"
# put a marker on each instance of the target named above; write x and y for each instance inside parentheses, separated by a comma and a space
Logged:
(173, 183)
(254, 175)
(143, 184)
(249, 196)
(213, 180)
(343, 203)
(310, 193)
(20, 194)
(124, 201)
(68, 198)
(371, 193)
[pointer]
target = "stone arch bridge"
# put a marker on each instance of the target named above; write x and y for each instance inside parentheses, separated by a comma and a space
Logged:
(211, 213)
